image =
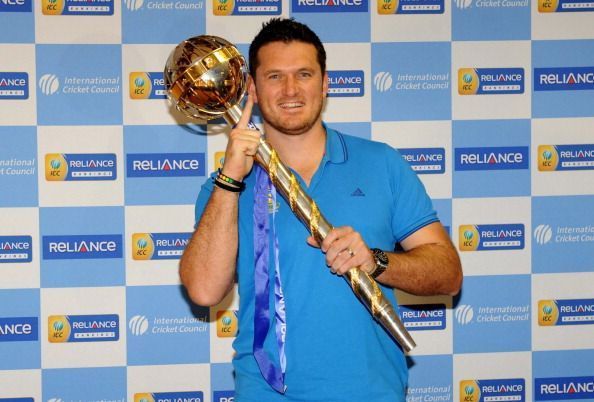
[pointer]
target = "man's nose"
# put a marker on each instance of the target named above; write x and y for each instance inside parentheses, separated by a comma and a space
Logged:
(290, 85)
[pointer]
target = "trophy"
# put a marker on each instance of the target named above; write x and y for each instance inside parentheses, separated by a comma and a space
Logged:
(205, 78)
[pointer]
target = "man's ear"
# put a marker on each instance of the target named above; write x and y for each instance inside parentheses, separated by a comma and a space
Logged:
(251, 89)
(325, 84)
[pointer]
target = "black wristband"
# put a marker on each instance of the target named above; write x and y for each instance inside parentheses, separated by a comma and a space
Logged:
(222, 177)
(228, 187)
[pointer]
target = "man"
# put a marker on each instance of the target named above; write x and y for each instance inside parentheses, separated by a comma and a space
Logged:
(333, 349)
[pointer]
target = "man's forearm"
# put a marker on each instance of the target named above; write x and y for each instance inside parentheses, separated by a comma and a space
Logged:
(207, 267)
(426, 270)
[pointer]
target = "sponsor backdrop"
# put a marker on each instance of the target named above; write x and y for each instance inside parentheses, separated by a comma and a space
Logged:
(490, 101)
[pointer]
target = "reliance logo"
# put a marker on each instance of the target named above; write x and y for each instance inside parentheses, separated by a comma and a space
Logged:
(493, 158)
(82, 247)
(564, 78)
(165, 165)
(14, 85)
(329, 6)
(16, 329)
(346, 83)
(563, 388)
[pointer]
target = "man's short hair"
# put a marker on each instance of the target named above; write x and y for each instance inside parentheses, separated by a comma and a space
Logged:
(285, 30)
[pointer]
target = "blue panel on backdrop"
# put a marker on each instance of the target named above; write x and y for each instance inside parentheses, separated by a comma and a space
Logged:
(411, 81)
(491, 158)
(84, 384)
(563, 234)
(18, 166)
(20, 345)
(142, 20)
(164, 327)
(490, 20)
(79, 84)
(159, 141)
(493, 314)
(17, 24)
(547, 99)
(105, 269)
(430, 378)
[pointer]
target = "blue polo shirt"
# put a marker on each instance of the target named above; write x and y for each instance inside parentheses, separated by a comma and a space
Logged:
(335, 350)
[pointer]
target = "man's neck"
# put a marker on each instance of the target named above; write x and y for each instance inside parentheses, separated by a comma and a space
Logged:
(303, 153)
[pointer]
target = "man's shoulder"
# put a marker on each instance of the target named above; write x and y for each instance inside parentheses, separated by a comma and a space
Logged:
(357, 143)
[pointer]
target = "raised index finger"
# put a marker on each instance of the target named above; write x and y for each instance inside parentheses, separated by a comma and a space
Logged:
(246, 115)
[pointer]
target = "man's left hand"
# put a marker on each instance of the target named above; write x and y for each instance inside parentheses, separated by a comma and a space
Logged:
(345, 249)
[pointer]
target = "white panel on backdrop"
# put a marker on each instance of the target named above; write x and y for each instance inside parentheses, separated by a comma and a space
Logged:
(142, 109)
(505, 214)
(561, 25)
(410, 27)
(67, 29)
(430, 342)
(570, 131)
(169, 379)
(340, 58)
(177, 221)
(20, 384)
(501, 56)
(575, 288)
(436, 135)
(494, 366)
(237, 28)
(102, 140)
(18, 58)
(20, 222)
(223, 328)
(96, 301)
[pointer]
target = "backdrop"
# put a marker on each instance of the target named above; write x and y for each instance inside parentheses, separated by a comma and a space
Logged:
(491, 102)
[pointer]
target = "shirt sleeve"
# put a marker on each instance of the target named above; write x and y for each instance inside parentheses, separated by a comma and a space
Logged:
(413, 208)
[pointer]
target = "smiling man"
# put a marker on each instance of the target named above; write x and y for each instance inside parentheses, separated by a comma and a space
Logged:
(303, 335)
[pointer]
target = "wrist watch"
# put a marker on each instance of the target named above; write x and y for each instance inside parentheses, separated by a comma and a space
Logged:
(381, 262)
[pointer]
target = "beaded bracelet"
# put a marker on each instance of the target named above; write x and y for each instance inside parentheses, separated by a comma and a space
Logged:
(229, 180)
(225, 186)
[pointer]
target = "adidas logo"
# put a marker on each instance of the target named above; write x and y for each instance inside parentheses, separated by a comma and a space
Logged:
(358, 193)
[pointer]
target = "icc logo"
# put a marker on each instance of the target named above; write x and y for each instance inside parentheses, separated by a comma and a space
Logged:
(140, 85)
(543, 234)
(468, 238)
(134, 5)
(56, 168)
(58, 330)
(469, 391)
(142, 246)
(547, 313)
(464, 314)
(387, 6)
(49, 84)
(467, 81)
(547, 158)
(383, 81)
(138, 325)
(463, 3)
(223, 7)
(52, 7)
(547, 6)
(226, 323)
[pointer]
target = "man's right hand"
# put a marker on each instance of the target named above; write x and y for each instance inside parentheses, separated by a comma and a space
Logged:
(242, 146)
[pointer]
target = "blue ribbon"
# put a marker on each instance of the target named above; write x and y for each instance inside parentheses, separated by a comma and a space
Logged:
(273, 375)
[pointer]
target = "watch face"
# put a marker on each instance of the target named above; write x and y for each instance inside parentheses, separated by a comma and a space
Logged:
(380, 256)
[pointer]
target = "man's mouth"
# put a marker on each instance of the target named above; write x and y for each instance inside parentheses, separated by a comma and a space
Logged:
(290, 105)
